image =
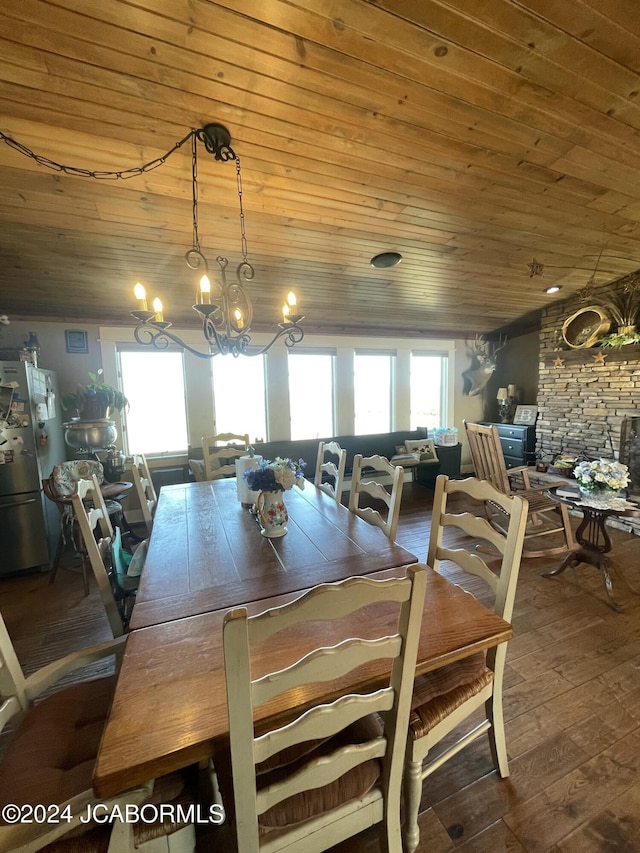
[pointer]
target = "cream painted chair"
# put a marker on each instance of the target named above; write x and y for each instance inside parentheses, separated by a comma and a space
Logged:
(332, 468)
(444, 699)
(546, 516)
(363, 484)
(51, 753)
(145, 490)
(219, 453)
(100, 542)
(330, 772)
(49, 759)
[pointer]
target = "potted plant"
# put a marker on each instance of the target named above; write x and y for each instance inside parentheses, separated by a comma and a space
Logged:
(95, 400)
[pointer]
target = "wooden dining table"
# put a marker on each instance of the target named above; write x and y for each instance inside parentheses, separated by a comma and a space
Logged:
(170, 708)
(207, 553)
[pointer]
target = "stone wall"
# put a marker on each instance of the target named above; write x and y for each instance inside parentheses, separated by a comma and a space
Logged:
(583, 394)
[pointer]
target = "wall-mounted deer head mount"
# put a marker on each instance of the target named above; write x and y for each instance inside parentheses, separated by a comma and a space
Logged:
(483, 354)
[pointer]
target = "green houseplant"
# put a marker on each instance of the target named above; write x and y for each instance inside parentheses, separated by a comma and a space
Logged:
(95, 400)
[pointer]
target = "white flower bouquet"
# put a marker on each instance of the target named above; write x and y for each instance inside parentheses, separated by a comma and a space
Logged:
(277, 476)
(601, 475)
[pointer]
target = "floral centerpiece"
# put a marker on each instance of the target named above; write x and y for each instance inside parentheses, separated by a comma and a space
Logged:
(270, 479)
(277, 476)
(601, 476)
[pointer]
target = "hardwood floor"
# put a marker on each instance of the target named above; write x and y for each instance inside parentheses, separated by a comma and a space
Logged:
(572, 705)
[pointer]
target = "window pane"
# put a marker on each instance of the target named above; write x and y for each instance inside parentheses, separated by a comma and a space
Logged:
(428, 391)
(311, 395)
(239, 396)
(153, 382)
(372, 393)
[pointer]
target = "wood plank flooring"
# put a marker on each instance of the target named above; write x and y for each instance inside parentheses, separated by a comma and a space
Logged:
(572, 706)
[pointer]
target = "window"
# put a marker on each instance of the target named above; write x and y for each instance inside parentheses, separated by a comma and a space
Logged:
(372, 392)
(311, 394)
(239, 396)
(428, 390)
(153, 382)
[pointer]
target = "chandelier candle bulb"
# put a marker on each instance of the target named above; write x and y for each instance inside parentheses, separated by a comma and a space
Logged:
(157, 307)
(239, 319)
(141, 295)
(205, 290)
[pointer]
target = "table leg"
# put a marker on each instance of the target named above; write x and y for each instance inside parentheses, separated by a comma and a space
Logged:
(595, 544)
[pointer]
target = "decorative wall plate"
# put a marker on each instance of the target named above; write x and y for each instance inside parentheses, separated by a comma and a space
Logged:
(585, 327)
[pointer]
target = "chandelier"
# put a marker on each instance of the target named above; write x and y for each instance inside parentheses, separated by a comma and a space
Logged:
(225, 307)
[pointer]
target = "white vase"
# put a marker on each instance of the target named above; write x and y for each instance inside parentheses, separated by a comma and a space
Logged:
(245, 495)
(272, 514)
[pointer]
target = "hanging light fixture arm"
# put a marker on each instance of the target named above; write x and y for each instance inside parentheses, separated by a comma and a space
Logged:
(150, 332)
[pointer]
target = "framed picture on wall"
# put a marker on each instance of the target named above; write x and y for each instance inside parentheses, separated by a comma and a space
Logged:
(525, 415)
(76, 340)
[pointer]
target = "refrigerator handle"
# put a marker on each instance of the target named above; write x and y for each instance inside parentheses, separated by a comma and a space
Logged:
(17, 503)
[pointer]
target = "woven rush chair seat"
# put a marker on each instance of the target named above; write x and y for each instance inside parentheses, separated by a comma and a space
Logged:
(51, 756)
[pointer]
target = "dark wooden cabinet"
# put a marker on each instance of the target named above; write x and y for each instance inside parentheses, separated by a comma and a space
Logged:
(449, 458)
(518, 444)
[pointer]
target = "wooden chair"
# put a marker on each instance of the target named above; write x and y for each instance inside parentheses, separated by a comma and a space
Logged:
(117, 589)
(330, 772)
(145, 489)
(546, 516)
(58, 488)
(219, 456)
(388, 522)
(444, 698)
(50, 756)
(331, 470)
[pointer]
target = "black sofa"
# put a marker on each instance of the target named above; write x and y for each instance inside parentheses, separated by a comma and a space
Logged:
(381, 444)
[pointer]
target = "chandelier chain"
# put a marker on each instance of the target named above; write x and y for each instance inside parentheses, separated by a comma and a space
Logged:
(226, 323)
(194, 186)
(100, 175)
(243, 236)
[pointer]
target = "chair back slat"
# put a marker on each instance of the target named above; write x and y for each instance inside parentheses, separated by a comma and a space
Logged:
(97, 536)
(324, 665)
(216, 453)
(363, 484)
(487, 456)
(145, 490)
(332, 468)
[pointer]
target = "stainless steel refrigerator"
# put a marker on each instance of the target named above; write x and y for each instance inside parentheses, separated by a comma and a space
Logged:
(31, 443)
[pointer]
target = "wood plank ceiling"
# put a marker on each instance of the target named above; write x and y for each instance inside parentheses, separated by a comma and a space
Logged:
(472, 137)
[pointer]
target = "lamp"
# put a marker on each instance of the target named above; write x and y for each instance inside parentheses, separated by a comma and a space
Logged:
(507, 401)
(225, 307)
